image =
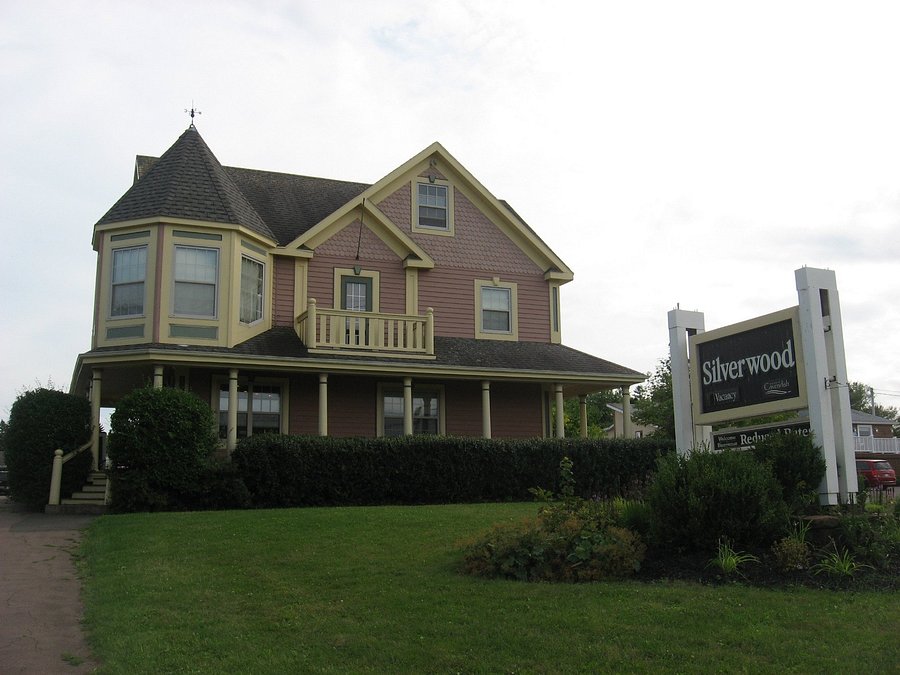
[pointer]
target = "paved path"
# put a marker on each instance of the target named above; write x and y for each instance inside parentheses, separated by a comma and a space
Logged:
(40, 603)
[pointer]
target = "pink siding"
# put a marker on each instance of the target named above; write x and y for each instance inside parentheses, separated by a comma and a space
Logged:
(392, 280)
(283, 291)
(351, 405)
(462, 403)
(516, 410)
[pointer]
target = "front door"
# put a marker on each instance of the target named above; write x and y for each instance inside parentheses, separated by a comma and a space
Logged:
(356, 296)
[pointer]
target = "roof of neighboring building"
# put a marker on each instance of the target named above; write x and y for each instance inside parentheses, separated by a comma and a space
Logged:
(283, 343)
(857, 417)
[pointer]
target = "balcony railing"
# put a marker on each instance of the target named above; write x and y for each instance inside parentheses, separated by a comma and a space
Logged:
(872, 444)
(340, 329)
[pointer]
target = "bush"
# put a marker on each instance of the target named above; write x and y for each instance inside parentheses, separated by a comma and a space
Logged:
(698, 498)
(873, 539)
(159, 450)
(797, 464)
(313, 471)
(571, 540)
(40, 421)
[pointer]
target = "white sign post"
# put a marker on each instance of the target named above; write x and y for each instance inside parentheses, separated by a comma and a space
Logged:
(749, 369)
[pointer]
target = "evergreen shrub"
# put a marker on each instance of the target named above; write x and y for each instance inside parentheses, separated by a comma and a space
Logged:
(698, 498)
(312, 470)
(40, 421)
(798, 465)
(160, 450)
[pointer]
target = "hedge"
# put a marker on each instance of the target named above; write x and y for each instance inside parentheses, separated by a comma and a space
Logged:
(316, 471)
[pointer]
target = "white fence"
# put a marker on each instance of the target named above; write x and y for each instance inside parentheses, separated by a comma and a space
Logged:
(870, 444)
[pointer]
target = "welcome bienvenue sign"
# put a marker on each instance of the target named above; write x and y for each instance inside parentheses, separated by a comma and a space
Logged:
(748, 369)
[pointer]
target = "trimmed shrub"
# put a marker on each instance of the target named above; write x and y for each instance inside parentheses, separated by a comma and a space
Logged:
(698, 498)
(797, 464)
(40, 421)
(159, 449)
(314, 471)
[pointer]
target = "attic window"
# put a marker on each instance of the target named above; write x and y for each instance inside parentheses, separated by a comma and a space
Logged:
(433, 212)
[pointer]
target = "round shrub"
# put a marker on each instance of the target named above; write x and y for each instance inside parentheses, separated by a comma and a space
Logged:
(40, 421)
(798, 466)
(159, 448)
(698, 498)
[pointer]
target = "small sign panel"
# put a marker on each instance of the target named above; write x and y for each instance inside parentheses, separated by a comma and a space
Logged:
(746, 437)
(747, 369)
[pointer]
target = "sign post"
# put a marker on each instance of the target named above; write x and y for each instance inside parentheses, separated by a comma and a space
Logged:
(788, 360)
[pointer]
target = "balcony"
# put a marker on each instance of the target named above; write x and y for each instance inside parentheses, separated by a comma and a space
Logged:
(877, 445)
(366, 332)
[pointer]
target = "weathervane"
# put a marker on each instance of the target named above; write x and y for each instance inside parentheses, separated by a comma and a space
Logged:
(193, 111)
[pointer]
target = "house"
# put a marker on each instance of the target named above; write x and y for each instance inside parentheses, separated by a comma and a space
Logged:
(622, 427)
(420, 304)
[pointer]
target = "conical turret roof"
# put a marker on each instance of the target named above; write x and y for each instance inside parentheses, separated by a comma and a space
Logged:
(187, 182)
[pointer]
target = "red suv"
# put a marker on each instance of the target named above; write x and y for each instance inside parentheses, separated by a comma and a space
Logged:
(877, 472)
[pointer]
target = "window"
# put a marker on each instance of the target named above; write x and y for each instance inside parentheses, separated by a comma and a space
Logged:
(129, 269)
(426, 411)
(864, 430)
(251, 290)
(196, 278)
(496, 316)
(356, 293)
(495, 309)
(259, 409)
(433, 206)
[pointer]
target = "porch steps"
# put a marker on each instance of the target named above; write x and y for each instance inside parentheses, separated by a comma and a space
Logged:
(91, 499)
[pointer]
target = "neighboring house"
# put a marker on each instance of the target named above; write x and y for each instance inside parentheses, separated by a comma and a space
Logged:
(868, 425)
(420, 304)
(617, 428)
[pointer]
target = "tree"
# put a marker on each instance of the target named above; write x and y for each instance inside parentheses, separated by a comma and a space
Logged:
(40, 422)
(861, 399)
(653, 402)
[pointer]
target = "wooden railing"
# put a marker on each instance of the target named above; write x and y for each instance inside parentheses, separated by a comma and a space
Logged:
(872, 444)
(56, 476)
(366, 331)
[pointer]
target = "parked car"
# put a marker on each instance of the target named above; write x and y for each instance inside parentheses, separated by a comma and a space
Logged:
(4, 481)
(877, 472)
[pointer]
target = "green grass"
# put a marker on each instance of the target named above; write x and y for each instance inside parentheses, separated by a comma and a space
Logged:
(376, 590)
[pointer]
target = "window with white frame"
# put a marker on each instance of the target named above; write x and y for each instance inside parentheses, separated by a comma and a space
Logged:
(496, 309)
(196, 281)
(129, 270)
(863, 430)
(433, 206)
(258, 409)
(426, 411)
(251, 290)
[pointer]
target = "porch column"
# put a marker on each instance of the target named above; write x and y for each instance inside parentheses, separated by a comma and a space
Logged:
(582, 414)
(96, 380)
(323, 404)
(231, 432)
(157, 377)
(627, 424)
(407, 406)
(486, 409)
(560, 413)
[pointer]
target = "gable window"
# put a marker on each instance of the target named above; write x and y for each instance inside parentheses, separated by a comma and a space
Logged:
(251, 290)
(426, 411)
(196, 281)
(259, 409)
(496, 316)
(129, 269)
(433, 206)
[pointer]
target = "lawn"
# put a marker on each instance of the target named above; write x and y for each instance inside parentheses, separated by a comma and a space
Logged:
(376, 590)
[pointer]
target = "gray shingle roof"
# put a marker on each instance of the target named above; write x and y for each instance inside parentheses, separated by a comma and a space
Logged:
(451, 352)
(189, 182)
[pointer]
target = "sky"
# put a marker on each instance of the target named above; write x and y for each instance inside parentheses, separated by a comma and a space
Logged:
(690, 154)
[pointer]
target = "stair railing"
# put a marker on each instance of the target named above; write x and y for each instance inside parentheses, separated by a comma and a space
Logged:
(56, 476)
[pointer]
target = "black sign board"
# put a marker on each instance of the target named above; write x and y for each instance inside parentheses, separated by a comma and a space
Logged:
(748, 368)
(733, 439)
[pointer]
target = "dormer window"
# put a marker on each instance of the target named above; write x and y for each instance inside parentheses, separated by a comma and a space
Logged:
(433, 207)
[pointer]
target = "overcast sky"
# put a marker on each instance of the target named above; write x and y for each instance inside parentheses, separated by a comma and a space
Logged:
(669, 152)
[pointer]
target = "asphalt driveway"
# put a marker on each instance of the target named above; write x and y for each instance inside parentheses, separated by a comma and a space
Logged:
(40, 603)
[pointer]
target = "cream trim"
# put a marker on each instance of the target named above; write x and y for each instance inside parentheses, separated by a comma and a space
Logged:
(374, 275)
(480, 332)
(555, 313)
(412, 291)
